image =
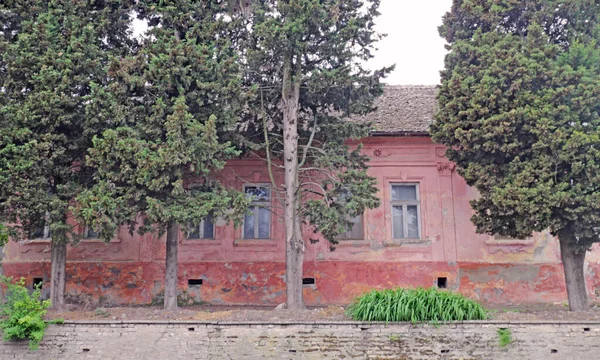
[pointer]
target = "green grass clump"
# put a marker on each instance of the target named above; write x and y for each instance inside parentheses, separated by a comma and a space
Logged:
(415, 305)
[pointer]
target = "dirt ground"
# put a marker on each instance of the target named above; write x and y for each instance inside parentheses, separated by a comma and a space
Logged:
(331, 313)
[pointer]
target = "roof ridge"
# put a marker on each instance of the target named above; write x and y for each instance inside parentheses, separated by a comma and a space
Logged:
(410, 86)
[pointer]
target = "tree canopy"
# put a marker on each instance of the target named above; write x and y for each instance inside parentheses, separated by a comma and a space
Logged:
(53, 100)
(519, 112)
(176, 95)
(304, 58)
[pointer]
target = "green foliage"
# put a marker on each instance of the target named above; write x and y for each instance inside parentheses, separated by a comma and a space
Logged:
(415, 305)
(3, 235)
(321, 45)
(519, 111)
(23, 313)
(53, 59)
(178, 94)
(504, 337)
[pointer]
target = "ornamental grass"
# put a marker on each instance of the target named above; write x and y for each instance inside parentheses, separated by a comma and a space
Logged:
(415, 305)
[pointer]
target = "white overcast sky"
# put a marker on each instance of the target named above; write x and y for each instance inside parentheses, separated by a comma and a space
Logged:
(413, 43)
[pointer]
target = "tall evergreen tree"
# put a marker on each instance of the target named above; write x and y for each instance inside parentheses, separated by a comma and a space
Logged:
(181, 94)
(304, 58)
(519, 112)
(53, 59)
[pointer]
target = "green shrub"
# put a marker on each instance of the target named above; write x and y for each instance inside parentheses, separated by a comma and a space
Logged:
(415, 305)
(22, 314)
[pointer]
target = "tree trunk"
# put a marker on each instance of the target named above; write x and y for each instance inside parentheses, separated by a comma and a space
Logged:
(573, 258)
(171, 267)
(294, 244)
(58, 278)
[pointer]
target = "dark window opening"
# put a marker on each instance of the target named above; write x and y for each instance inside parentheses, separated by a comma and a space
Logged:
(192, 282)
(37, 283)
(442, 282)
(308, 281)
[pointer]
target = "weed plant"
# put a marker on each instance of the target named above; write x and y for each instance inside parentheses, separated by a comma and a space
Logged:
(22, 313)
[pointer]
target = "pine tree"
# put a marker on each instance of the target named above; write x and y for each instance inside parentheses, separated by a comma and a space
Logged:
(180, 96)
(53, 59)
(304, 58)
(519, 112)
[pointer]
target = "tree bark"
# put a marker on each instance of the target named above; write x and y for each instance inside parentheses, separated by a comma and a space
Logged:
(58, 278)
(294, 244)
(171, 267)
(573, 258)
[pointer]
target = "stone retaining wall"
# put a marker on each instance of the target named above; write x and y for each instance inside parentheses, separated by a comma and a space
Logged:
(333, 340)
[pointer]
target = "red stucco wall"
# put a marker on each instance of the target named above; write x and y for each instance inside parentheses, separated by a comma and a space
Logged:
(236, 271)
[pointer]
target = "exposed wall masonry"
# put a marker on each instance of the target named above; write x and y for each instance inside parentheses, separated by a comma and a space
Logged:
(133, 340)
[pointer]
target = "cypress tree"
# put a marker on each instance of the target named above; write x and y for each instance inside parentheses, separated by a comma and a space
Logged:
(53, 60)
(304, 58)
(519, 112)
(180, 95)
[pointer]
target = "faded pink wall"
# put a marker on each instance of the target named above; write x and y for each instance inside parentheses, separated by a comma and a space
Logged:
(238, 271)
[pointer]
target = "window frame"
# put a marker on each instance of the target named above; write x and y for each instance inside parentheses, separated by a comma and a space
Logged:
(200, 228)
(405, 204)
(343, 237)
(255, 205)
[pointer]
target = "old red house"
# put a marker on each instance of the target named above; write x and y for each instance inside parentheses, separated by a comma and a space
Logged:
(421, 235)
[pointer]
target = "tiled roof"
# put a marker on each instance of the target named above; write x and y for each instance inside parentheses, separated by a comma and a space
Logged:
(403, 109)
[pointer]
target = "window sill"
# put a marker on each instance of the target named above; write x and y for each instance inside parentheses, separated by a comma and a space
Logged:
(35, 241)
(98, 241)
(414, 243)
(255, 243)
(351, 243)
(202, 242)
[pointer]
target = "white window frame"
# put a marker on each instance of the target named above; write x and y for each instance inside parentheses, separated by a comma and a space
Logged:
(404, 204)
(201, 235)
(256, 205)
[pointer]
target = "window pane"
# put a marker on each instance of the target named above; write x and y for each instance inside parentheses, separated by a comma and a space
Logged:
(194, 233)
(209, 228)
(398, 222)
(91, 234)
(404, 192)
(356, 232)
(249, 224)
(264, 223)
(258, 193)
(38, 233)
(412, 219)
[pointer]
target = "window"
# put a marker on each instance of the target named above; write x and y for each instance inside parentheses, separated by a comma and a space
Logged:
(257, 222)
(43, 232)
(89, 233)
(405, 211)
(355, 229)
(204, 230)
(355, 232)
